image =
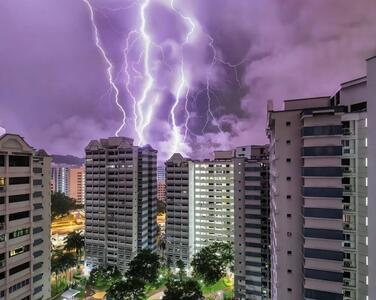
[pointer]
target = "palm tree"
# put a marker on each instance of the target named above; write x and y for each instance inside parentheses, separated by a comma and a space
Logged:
(75, 241)
(67, 262)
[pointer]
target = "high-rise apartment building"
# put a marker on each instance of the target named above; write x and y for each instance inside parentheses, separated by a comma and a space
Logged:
(76, 187)
(24, 220)
(211, 199)
(177, 209)
(121, 205)
(60, 178)
(252, 227)
(320, 181)
(200, 204)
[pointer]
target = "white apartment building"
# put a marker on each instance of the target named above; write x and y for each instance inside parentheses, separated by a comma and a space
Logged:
(121, 203)
(200, 204)
(25, 216)
(321, 201)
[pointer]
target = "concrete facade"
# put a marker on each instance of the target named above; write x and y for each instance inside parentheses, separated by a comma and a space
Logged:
(121, 204)
(76, 186)
(251, 222)
(177, 209)
(323, 146)
(25, 216)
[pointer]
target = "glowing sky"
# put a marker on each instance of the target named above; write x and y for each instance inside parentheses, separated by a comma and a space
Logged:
(191, 76)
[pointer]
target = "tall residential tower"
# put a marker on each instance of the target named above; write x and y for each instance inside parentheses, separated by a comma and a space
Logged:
(121, 204)
(25, 216)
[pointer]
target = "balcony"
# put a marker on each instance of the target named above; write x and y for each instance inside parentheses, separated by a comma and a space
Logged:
(349, 226)
(349, 264)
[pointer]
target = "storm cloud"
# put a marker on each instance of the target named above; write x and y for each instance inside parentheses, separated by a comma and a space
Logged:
(54, 91)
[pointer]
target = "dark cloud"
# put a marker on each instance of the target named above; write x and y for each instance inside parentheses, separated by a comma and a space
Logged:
(53, 88)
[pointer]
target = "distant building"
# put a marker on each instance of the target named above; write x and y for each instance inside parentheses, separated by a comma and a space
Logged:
(121, 203)
(60, 178)
(76, 186)
(25, 217)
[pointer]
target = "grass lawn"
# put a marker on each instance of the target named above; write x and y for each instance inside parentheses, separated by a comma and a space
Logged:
(222, 285)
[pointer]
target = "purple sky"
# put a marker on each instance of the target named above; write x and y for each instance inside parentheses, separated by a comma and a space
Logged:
(54, 90)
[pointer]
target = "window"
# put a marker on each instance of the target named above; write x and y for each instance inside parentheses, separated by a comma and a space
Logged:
(19, 161)
(288, 216)
(2, 182)
(19, 268)
(19, 198)
(2, 160)
(19, 215)
(19, 180)
(289, 234)
(2, 200)
(288, 160)
(289, 252)
(19, 285)
(289, 290)
(288, 142)
(289, 271)
(18, 233)
(288, 178)
(19, 250)
(288, 197)
(288, 123)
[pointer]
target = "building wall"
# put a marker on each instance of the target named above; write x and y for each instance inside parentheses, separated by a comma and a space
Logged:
(286, 206)
(355, 200)
(371, 120)
(177, 209)
(76, 186)
(120, 201)
(322, 202)
(60, 176)
(25, 220)
(211, 201)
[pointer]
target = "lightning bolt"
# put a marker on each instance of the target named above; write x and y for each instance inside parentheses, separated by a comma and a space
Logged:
(127, 48)
(177, 139)
(149, 80)
(110, 67)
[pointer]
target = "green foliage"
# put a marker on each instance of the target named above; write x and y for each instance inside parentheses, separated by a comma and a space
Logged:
(103, 278)
(181, 266)
(61, 205)
(144, 266)
(75, 241)
(182, 289)
(143, 270)
(126, 289)
(61, 262)
(212, 261)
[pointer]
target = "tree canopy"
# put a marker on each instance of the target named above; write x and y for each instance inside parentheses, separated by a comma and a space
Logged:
(74, 241)
(182, 289)
(144, 266)
(212, 261)
(61, 204)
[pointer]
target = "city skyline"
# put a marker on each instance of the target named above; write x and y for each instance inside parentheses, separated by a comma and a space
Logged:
(63, 73)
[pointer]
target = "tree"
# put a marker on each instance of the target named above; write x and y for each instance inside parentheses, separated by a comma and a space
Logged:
(126, 289)
(212, 261)
(61, 262)
(182, 289)
(144, 266)
(61, 205)
(75, 241)
(181, 266)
